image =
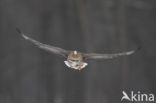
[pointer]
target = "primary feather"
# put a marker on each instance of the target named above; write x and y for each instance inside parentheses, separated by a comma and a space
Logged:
(107, 56)
(50, 48)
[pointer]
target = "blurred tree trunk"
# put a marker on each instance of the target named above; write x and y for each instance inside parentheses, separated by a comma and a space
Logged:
(123, 42)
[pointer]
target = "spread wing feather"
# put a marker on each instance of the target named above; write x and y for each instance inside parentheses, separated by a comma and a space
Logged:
(107, 56)
(46, 47)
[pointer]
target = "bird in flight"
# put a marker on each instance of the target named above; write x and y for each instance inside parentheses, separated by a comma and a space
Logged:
(74, 59)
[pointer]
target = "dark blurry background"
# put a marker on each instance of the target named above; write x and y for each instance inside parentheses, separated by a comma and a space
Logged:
(31, 75)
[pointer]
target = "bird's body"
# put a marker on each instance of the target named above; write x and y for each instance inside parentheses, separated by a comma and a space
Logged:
(75, 59)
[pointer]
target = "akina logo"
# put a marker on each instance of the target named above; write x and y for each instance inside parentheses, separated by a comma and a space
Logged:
(138, 96)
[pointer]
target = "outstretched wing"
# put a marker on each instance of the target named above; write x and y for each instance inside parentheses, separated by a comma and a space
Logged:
(46, 47)
(107, 56)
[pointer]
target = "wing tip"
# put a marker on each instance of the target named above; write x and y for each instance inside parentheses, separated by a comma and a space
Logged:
(133, 51)
(25, 37)
(138, 48)
(130, 52)
(20, 32)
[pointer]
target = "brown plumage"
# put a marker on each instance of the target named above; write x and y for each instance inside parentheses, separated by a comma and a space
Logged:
(74, 55)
